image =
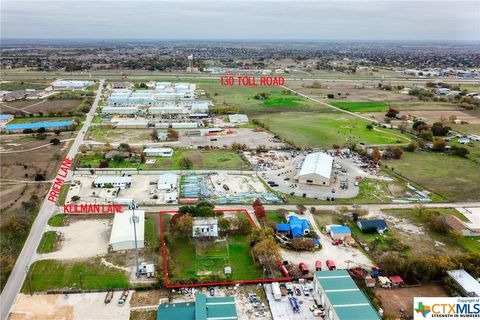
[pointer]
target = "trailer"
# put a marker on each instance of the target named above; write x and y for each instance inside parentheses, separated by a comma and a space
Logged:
(277, 294)
(294, 304)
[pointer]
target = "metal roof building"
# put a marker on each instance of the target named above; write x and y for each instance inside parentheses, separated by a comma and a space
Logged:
(316, 169)
(120, 110)
(341, 297)
(204, 308)
(36, 125)
(469, 286)
(167, 181)
(115, 181)
(238, 118)
(123, 236)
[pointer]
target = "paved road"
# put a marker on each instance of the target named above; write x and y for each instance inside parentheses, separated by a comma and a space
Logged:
(28, 254)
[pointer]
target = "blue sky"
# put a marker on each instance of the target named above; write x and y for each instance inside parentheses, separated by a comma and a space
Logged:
(324, 20)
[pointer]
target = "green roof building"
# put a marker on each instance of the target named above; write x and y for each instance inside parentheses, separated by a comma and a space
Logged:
(341, 297)
(204, 308)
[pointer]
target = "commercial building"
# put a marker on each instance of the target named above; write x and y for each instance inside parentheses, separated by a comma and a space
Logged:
(238, 118)
(167, 181)
(207, 227)
(120, 110)
(71, 84)
(114, 181)
(468, 285)
(123, 233)
(132, 124)
(203, 308)
(316, 169)
(51, 125)
(158, 152)
(341, 297)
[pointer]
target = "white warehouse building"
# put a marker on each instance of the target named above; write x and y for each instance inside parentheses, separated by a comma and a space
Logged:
(71, 84)
(316, 169)
(158, 152)
(167, 181)
(120, 110)
(115, 181)
(123, 233)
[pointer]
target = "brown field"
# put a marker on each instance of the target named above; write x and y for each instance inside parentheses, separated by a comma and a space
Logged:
(36, 106)
(394, 299)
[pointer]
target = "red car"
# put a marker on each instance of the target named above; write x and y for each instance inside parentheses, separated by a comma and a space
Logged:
(303, 267)
(336, 242)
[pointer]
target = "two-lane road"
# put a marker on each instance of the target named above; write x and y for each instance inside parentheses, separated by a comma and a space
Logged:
(47, 209)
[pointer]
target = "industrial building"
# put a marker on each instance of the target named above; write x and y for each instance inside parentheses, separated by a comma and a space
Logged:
(316, 169)
(123, 233)
(167, 181)
(158, 152)
(132, 124)
(203, 308)
(238, 118)
(467, 284)
(114, 181)
(341, 297)
(340, 232)
(18, 127)
(71, 84)
(120, 110)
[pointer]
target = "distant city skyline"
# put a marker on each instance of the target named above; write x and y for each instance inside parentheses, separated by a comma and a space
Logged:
(230, 20)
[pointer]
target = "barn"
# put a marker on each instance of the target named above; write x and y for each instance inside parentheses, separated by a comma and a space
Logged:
(316, 169)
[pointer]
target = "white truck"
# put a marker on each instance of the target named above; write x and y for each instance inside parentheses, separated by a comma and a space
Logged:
(277, 294)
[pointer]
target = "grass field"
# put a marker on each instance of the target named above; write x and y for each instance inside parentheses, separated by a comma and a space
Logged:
(454, 178)
(38, 119)
(47, 244)
(56, 220)
(327, 128)
(243, 99)
(63, 194)
(211, 159)
(186, 266)
(46, 275)
(367, 106)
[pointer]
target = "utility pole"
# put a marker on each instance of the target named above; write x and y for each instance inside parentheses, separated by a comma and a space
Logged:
(134, 219)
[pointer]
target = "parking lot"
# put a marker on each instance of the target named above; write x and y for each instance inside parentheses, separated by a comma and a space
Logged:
(282, 309)
(143, 191)
(282, 167)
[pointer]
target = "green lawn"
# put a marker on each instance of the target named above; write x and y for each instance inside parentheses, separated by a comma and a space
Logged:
(63, 194)
(50, 275)
(186, 266)
(201, 159)
(284, 99)
(456, 179)
(273, 216)
(366, 106)
(38, 119)
(47, 244)
(327, 128)
(56, 220)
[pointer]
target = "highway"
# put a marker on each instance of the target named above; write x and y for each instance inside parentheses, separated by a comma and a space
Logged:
(47, 209)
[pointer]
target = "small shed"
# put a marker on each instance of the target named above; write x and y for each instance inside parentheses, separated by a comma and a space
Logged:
(340, 232)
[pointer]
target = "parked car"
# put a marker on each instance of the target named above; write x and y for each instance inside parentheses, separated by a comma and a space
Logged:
(123, 298)
(258, 304)
(212, 291)
(305, 290)
(297, 291)
(303, 267)
(336, 242)
(260, 314)
(226, 187)
(331, 265)
(318, 266)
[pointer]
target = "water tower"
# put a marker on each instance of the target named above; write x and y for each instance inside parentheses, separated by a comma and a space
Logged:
(190, 63)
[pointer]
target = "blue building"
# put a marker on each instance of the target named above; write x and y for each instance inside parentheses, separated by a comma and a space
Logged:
(296, 227)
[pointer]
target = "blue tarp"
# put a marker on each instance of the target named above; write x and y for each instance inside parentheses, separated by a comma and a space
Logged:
(283, 227)
(297, 232)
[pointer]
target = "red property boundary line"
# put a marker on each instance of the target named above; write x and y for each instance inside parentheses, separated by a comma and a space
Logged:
(287, 278)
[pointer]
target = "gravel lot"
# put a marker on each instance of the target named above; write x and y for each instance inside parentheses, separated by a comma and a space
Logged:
(82, 239)
(73, 306)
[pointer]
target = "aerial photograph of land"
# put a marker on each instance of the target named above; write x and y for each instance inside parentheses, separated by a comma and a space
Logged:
(222, 160)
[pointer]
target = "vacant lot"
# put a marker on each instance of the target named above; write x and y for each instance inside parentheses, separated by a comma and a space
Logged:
(367, 106)
(326, 129)
(44, 106)
(452, 177)
(201, 159)
(395, 299)
(47, 275)
(12, 86)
